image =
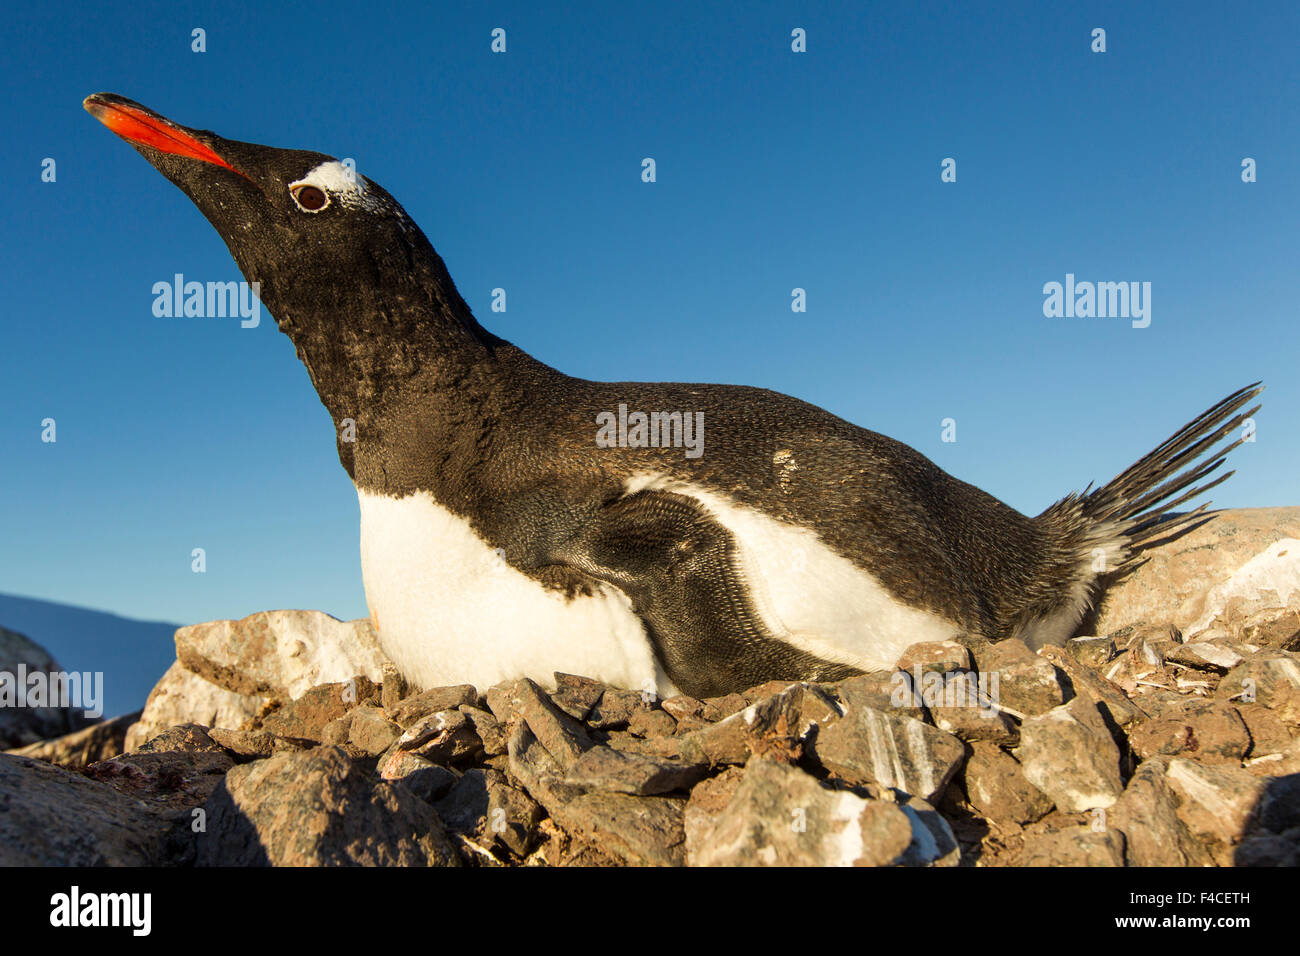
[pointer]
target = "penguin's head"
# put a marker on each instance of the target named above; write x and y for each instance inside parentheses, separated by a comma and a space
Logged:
(338, 262)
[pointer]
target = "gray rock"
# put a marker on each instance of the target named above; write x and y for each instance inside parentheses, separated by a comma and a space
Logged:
(1075, 846)
(960, 710)
(484, 807)
(996, 786)
(1218, 804)
(245, 745)
(576, 695)
(488, 729)
(318, 808)
(370, 731)
(617, 707)
(616, 771)
(53, 817)
(891, 690)
(281, 653)
(422, 777)
(1026, 682)
(1271, 678)
(1209, 730)
(445, 737)
(1146, 814)
(421, 705)
(1272, 627)
(652, 723)
(1069, 754)
(683, 706)
(782, 723)
(889, 748)
(21, 722)
(1091, 650)
(781, 816)
(562, 737)
(168, 779)
(182, 697)
(720, 708)
(708, 799)
(82, 747)
(1201, 655)
(941, 657)
(1113, 703)
(639, 831)
(306, 717)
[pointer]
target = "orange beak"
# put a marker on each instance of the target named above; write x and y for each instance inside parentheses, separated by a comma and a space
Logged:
(135, 124)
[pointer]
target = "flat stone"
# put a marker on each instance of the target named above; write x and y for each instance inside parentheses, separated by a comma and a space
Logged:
(562, 737)
(720, 708)
(184, 738)
(488, 729)
(168, 779)
(616, 771)
(884, 691)
(1204, 656)
(1068, 754)
(371, 731)
(430, 701)
(1113, 703)
(781, 816)
(445, 737)
(1217, 803)
(1146, 814)
(616, 707)
(576, 695)
(1075, 846)
(652, 723)
(1092, 650)
(636, 831)
(682, 706)
(245, 745)
(1206, 730)
(708, 799)
(1020, 679)
(780, 725)
(996, 786)
(306, 717)
(1268, 735)
(1271, 678)
(421, 776)
(941, 657)
(1272, 627)
(889, 748)
(318, 808)
(960, 709)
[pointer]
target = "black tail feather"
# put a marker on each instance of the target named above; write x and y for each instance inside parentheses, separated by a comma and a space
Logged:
(1137, 500)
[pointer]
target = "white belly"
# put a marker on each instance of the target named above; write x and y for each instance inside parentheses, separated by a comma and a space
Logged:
(450, 611)
(808, 595)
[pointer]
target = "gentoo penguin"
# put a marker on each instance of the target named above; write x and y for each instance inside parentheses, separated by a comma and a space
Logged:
(702, 539)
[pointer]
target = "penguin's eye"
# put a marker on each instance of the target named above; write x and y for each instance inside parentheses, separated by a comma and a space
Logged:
(309, 198)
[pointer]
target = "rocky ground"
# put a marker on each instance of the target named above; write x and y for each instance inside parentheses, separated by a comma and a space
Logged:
(1168, 735)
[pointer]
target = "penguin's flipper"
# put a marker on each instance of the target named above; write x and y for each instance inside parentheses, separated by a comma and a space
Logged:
(678, 567)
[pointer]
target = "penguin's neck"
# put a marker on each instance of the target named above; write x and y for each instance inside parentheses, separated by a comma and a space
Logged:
(377, 356)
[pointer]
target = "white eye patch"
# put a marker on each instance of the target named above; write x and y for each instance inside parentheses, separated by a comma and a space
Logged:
(342, 183)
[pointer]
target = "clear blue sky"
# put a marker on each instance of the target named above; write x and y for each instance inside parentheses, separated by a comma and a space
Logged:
(776, 170)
